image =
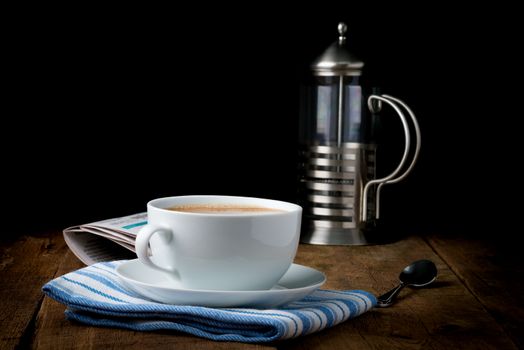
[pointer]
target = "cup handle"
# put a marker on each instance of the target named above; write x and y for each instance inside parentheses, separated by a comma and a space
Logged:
(393, 177)
(142, 243)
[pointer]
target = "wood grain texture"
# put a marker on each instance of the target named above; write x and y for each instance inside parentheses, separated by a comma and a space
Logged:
(53, 331)
(444, 316)
(468, 307)
(25, 265)
(494, 273)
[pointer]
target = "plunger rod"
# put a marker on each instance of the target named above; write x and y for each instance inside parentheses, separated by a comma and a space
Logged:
(340, 106)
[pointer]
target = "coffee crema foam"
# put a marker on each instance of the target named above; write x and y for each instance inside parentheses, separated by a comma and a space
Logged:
(222, 209)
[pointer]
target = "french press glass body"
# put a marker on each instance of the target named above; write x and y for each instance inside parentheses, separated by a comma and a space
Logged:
(338, 185)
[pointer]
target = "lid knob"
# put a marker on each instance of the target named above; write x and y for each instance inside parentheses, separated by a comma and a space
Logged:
(342, 29)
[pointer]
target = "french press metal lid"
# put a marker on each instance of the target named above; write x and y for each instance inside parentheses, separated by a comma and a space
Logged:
(337, 60)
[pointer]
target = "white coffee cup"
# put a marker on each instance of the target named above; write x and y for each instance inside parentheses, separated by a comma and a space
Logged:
(248, 250)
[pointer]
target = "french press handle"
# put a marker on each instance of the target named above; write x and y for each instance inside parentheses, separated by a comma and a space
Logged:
(394, 177)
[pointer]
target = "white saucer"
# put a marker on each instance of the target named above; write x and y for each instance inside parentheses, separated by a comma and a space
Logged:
(296, 283)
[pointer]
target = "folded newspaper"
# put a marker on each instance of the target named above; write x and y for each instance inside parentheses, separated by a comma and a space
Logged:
(106, 240)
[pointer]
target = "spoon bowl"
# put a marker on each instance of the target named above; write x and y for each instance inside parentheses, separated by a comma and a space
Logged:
(419, 273)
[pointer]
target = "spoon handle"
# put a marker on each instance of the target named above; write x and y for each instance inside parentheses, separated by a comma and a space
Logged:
(386, 299)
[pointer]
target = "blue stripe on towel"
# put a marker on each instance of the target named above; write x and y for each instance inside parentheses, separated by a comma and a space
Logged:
(94, 295)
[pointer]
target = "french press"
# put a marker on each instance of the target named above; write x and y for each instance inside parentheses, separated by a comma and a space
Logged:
(338, 185)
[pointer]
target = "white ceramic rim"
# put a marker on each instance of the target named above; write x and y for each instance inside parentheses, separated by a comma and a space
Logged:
(163, 203)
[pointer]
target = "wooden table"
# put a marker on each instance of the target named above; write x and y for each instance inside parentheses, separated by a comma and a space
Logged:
(477, 301)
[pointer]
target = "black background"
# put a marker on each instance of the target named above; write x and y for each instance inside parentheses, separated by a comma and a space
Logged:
(109, 108)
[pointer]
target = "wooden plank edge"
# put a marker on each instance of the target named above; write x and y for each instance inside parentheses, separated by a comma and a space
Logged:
(462, 280)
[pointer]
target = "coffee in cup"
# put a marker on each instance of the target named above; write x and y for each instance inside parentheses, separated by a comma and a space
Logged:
(207, 208)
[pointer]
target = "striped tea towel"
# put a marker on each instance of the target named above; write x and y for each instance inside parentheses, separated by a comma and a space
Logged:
(95, 295)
